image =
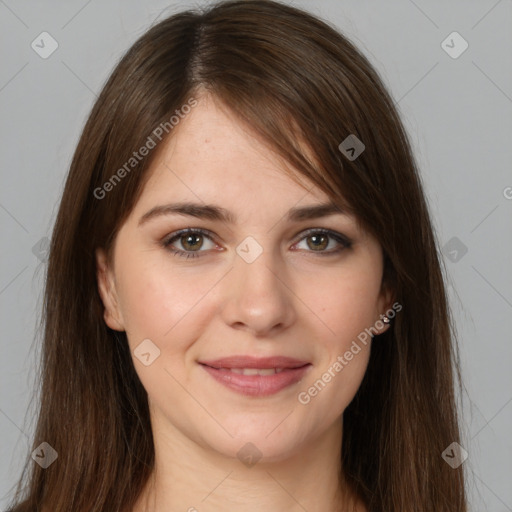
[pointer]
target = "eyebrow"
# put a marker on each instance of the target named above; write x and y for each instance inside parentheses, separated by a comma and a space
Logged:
(217, 213)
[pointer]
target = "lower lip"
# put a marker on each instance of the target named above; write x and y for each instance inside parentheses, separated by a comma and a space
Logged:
(257, 385)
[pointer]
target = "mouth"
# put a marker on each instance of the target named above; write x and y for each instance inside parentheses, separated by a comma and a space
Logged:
(253, 376)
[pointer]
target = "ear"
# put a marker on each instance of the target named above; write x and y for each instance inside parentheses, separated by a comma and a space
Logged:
(386, 307)
(107, 290)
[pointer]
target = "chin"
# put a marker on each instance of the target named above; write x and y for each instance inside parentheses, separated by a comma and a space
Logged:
(265, 439)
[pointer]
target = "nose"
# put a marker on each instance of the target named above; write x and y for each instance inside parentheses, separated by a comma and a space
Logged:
(258, 296)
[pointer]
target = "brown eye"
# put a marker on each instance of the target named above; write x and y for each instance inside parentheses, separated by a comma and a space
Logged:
(324, 242)
(318, 241)
(191, 242)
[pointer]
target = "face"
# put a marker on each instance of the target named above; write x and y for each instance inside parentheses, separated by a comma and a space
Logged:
(241, 330)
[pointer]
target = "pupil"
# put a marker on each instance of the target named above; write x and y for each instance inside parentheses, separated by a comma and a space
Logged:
(318, 240)
(189, 240)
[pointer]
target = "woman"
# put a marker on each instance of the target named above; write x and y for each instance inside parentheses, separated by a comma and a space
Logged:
(244, 306)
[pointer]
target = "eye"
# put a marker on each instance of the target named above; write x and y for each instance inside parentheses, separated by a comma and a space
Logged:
(319, 240)
(192, 240)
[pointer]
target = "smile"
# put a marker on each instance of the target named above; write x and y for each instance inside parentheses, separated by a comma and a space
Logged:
(256, 371)
(259, 377)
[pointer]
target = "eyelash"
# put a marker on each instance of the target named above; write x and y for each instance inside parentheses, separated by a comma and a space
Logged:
(341, 239)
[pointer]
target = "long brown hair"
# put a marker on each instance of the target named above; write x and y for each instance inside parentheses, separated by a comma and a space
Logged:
(293, 79)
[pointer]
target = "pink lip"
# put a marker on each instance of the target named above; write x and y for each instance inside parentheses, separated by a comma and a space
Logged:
(256, 385)
(255, 362)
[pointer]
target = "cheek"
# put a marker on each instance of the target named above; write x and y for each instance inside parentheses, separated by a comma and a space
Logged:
(166, 309)
(162, 303)
(347, 307)
(344, 304)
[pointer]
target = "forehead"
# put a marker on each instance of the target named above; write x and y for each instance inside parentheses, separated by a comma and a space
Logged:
(210, 156)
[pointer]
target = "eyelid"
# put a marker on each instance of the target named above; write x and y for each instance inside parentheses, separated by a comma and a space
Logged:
(166, 241)
(340, 238)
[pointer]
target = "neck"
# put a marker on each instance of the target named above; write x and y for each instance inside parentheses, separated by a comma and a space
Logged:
(192, 478)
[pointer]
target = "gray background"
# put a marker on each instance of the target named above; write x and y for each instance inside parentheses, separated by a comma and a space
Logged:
(458, 112)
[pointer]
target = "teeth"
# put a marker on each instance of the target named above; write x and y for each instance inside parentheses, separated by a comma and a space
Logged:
(256, 371)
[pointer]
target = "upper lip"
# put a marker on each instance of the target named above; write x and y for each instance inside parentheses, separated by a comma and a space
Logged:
(255, 362)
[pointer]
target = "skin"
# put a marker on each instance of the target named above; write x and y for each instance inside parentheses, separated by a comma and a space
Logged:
(290, 301)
